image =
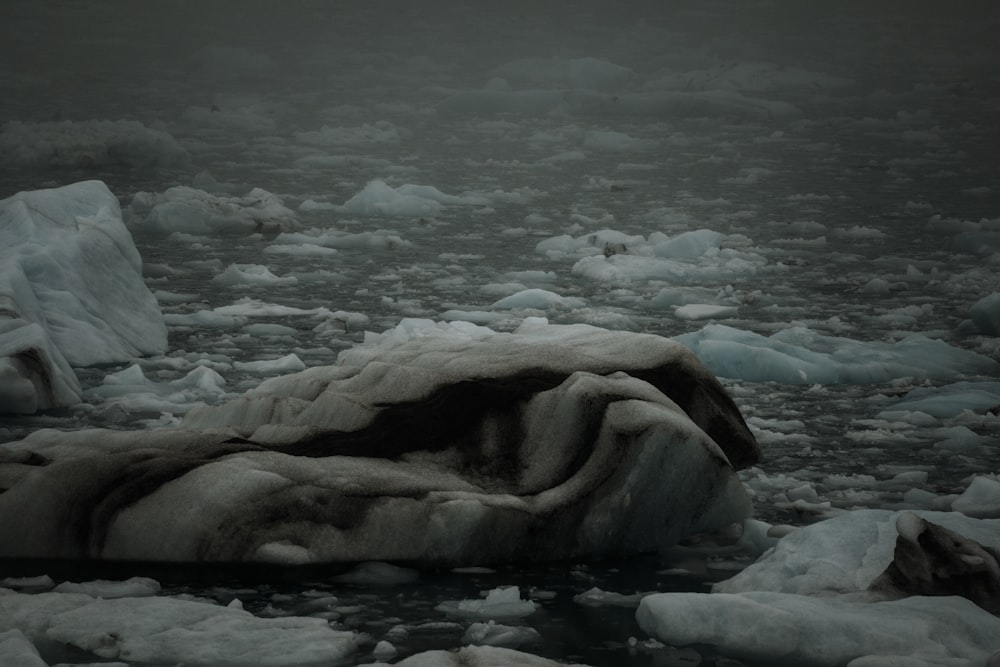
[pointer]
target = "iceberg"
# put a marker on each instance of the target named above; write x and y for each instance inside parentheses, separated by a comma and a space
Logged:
(433, 444)
(71, 294)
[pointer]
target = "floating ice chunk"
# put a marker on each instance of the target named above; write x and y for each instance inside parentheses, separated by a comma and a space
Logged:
(595, 597)
(845, 554)
(985, 314)
(205, 319)
(981, 499)
(89, 143)
(41, 582)
(131, 390)
(252, 274)
(266, 330)
(483, 317)
(303, 250)
(492, 633)
(959, 438)
(373, 240)
(538, 298)
(159, 630)
(193, 211)
(686, 245)
(136, 587)
(798, 355)
(587, 244)
(702, 311)
(289, 363)
(380, 199)
(796, 629)
(950, 400)
(498, 603)
(384, 651)
(671, 297)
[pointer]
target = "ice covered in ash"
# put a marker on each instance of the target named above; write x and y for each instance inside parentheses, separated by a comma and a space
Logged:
(90, 143)
(71, 294)
(865, 587)
(190, 210)
(162, 630)
(433, 443)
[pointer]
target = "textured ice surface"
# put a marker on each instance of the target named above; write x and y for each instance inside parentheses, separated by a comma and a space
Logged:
(433, 443)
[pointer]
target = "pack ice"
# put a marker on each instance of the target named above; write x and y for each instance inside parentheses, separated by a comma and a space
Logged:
(71, 294)
(432, 443)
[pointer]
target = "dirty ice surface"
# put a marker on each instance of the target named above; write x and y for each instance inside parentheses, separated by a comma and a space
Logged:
(808, 198)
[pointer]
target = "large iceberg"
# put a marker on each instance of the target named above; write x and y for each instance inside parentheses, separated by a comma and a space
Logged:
(71, 294)
(435, 444)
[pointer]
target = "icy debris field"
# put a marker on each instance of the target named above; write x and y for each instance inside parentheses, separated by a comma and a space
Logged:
(810, 200)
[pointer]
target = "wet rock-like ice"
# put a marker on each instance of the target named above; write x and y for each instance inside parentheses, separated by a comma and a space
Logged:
(369, 459)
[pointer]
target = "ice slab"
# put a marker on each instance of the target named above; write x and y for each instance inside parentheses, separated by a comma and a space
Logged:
(798, 355)
(797, 629)
(162, 630)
